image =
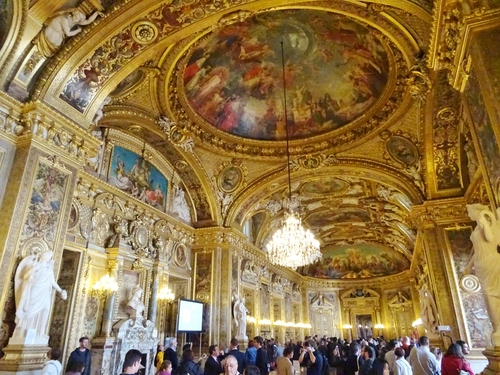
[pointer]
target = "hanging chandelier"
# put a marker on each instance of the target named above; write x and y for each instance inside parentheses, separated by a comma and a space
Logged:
(291, 246)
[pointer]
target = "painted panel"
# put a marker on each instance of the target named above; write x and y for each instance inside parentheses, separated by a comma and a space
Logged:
(357, 261)
(47, 198)
(484, 130)
(476, 315)
(135, 175)
(335, 70)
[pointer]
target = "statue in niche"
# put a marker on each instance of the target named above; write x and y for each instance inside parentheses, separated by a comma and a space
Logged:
(486, 261)
(428, 309)
(180, 206)
(59, 27)
(135, 306)
(240, 318)
(99, 113)
(34, 281)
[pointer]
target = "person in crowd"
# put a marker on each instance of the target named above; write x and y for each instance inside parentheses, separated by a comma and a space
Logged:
(231, 365)
(165, 368)
(352, 362)
(390, 356)
(213, 365)
(76, 368)
(422, 361)
(380, 367)
(187, 346)
(284, 363)
(235, 352)
(279, 349)
(81, 355)
(261, 360)
(251, 370)
(454, 361)
(407, 346)
(170, 354)
(312, 357)
(297, 349)
(251, 353)
(187, 365)
(368, 355)
(132, 362)
(439, 356)
(401, 366)
(159, 356)
(464, 346)
(53, 366)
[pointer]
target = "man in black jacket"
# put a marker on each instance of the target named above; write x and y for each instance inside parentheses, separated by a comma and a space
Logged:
(82, 355)
(213, 365)
(261, 361)
(240, 357)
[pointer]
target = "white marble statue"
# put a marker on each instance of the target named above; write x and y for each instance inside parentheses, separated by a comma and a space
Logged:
(428, 309)
(34, 281)
(135, 306)
(240, 318)
(486, 261)
(99, 113)
(180, 206)
(59, 27)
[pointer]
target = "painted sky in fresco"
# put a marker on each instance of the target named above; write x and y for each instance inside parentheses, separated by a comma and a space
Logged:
(335, 70)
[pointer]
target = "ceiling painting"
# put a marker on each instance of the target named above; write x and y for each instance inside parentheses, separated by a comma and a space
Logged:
(362, 260)
(339, 215)
(324, 186)
(335, 70)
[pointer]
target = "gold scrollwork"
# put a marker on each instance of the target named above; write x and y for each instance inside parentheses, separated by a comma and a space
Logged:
(144, 32)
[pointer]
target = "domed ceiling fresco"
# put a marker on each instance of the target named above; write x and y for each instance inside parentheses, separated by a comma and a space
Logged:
(357, 261)
(335, 69)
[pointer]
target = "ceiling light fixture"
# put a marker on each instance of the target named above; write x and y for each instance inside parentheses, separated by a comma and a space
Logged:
(291, 246)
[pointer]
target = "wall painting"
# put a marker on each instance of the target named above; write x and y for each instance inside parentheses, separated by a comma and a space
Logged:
(335, 70)
(476, 315)
(357, 261)
(135, 175)
(47, 198)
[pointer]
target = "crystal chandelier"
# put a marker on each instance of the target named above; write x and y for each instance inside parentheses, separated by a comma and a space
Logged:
(291, 246)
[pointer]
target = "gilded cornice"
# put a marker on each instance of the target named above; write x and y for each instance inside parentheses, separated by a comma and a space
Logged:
(379, 282)
(439, 212)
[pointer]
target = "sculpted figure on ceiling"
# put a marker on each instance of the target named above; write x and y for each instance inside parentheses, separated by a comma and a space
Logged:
(59, 27)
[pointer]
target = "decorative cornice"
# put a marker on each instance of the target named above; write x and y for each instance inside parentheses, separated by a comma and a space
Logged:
(439, 212)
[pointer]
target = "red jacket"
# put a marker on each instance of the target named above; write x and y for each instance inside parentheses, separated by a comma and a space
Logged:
(451, 365)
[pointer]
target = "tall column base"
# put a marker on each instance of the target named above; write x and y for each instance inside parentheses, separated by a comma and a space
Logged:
(23, 359)
(102, 355)
(493, 355)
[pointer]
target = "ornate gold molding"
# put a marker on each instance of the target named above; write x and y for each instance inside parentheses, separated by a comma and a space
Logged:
(439, 212)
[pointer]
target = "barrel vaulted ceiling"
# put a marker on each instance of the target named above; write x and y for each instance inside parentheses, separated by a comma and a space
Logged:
(202, 83)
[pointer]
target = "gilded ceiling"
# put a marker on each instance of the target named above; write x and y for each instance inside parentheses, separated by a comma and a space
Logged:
(201, 82)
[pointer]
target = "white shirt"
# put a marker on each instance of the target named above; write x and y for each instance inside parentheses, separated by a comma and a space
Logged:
(402, 367)
(422, 361)
(52, 367)
(390, 357)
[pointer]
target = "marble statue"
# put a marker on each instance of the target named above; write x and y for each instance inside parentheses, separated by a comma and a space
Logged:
(135, 306)
(240, 318)
(99, 113)
(59, 27)
(34, 281)
(486, 261)
(428, 310)
(180, 207)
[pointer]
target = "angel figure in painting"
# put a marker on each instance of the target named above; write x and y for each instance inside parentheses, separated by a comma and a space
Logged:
(34, 281)
(486, 261)
(59, 27)
(180, 206)
(240, 318)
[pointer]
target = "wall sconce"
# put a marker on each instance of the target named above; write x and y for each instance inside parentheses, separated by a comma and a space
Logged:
(348, 328)
(417, 323)
(380, 327)
(107, 285)
(251, 319)
(264, 322)
(166, 295)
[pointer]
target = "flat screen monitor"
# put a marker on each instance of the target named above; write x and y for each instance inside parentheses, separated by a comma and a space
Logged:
(190, 316)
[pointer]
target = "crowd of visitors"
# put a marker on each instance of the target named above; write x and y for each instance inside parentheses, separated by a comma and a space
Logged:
(313, 356)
